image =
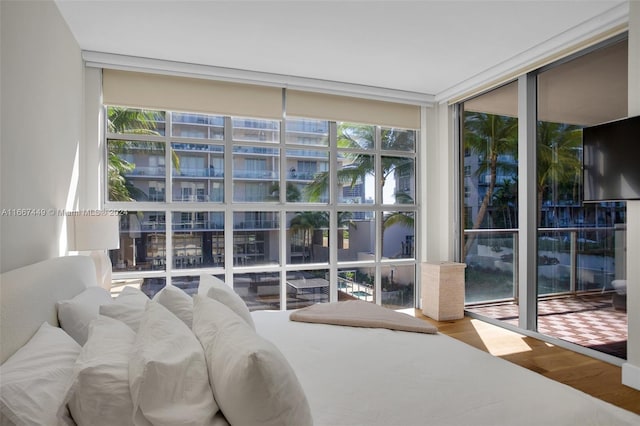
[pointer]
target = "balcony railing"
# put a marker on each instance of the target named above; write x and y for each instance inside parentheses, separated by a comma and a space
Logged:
(198, 172)
(570, 261)
(255, 174)
(152, 171)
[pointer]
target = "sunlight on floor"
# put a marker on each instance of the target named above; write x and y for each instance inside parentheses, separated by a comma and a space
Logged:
(499, 341)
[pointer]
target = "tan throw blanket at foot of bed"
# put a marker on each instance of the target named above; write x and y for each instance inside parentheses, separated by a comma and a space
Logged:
(356, 313)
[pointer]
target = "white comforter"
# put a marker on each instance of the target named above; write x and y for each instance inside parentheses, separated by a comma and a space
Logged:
(368, 377)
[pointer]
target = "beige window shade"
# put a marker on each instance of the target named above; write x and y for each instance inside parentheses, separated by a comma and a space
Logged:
(357, 110)
(155, 91)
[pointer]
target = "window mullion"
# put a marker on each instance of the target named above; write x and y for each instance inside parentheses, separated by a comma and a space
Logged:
(168, 199)
(282, 213)
(333, 211)
(379, 213)
(228, 200)
(527, 201)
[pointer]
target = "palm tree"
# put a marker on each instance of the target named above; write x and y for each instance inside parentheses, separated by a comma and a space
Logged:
(293, 193)
(309, 222)
(122, 120)
(504, 200)
(559, 164)
(361, 164)
(491, 137)
(404, 219)
(306, 223)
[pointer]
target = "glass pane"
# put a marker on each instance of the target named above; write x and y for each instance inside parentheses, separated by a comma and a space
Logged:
(356, 182)
(399, 180)
(124, 120)
(490, 176)
(356, 284)
(307, 132)
(188, 284)
(398, 285)
(254, 130)
(306, 288)
(198, 172)
(198, 239)
(256, 174)
(307, 242)
(142, 242)
(307, 176)
(151, 286)
(256, 238)
(356, 136)
(398, 139)
(356, 236)
(259, 290)
(135, 170)
(197, 126)
(491, 272)
(581, 250)
(398, 234)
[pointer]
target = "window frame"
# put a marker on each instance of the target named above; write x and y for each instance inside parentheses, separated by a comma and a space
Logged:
(228, 207)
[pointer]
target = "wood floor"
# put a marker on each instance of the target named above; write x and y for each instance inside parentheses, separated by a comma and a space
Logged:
(587, 374)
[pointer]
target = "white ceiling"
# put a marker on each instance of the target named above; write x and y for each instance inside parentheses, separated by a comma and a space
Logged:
(427, 47)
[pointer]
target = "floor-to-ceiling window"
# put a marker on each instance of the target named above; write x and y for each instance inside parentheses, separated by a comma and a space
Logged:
(292, 212)
(489, 150)
(580, 246)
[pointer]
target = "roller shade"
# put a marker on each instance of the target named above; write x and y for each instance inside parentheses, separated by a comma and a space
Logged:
(357, 110)
(156, 91)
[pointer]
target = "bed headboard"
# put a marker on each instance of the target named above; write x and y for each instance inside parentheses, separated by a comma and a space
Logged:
(28, 296)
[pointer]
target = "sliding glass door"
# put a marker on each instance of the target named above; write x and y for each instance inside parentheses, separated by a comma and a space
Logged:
(579, 253)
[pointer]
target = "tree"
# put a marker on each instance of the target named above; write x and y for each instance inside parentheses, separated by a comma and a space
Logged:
(360, 164)
(505, 200)
(122, 120)
(293, 193)
(492, 138)
(306, 223)
(404, 219)
(559, 163)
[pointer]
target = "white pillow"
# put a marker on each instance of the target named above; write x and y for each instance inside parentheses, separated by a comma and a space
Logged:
(75, 314)
(100, 392)
(128, 307)
(252, 381)
(168, 373)
(218, 290)
(35, 379)
(177, 301)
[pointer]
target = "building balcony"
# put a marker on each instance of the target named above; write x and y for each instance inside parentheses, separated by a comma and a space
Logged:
(147, 171)
(256, 174)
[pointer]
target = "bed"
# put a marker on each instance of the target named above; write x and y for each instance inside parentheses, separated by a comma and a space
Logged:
(348, 375)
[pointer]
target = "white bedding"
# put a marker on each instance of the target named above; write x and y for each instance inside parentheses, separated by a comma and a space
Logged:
(351, 376)
(355, 376)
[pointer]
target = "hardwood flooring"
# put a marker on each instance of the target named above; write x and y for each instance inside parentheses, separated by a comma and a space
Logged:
(597, 378)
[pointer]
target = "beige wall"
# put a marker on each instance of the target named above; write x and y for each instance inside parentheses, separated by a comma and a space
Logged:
(42, 126)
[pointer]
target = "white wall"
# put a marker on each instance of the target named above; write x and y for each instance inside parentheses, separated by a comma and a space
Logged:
(631, 370)
(42, 118)
(438, 189)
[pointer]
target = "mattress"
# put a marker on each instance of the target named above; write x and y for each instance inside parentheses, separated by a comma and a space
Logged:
(356, 376)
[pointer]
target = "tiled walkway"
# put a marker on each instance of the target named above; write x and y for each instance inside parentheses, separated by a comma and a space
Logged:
(589, 321)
